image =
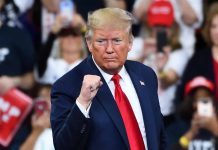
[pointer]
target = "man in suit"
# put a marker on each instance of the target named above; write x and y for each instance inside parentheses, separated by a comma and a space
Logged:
(107, 102)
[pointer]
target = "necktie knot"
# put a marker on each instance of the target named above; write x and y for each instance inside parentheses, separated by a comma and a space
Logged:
(116, 79)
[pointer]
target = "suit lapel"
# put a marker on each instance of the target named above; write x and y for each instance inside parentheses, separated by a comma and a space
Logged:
(146, 106)
(105, 98)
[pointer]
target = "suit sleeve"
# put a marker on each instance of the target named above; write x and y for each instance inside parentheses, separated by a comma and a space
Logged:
(69, 126)
(163, 138)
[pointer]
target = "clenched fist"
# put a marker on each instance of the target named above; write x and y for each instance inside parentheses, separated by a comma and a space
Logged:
(90, 86)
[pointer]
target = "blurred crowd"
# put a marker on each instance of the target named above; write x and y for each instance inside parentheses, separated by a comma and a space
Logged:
(40, 40)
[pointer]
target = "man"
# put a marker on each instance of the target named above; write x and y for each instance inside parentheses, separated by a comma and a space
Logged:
(106, 102)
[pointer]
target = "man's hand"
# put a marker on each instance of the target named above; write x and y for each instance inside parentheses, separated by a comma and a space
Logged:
(90, 86)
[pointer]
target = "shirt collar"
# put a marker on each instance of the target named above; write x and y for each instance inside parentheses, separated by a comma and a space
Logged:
(107, 77)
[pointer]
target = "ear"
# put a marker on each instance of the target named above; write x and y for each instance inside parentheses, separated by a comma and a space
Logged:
(130, 44)
(89, 44)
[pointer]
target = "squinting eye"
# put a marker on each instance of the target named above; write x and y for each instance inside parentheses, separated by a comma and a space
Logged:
(101, 42)
(117, 41)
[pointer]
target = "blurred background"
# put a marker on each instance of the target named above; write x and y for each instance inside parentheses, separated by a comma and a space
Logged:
(41, 40)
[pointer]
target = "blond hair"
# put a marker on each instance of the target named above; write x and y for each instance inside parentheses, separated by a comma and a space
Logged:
(211, 14)
(114, 18)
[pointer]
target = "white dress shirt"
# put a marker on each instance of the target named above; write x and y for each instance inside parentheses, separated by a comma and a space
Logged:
(128, 88)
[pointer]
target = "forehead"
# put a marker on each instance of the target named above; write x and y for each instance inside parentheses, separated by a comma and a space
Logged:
(110, 33)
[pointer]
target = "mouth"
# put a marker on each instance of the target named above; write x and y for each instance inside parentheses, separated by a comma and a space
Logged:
(110, 59)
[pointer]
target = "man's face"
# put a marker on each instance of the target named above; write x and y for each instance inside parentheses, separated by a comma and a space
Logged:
(109, 48)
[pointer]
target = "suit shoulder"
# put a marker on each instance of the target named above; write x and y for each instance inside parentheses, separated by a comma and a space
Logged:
(137, 66)
(143, 71)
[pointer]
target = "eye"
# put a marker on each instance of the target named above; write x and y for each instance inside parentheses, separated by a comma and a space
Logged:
(117, 41)
(101, 42)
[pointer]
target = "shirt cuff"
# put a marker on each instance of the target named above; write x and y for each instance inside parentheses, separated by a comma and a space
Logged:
(83, 110)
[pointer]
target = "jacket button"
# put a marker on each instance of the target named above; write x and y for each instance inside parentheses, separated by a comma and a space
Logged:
(83, 128)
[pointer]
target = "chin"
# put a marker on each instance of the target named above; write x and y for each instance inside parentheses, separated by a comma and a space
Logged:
(112, 69)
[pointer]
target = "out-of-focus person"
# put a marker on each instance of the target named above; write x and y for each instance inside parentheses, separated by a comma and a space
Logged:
(197, 126)
(188, 15)
(40, 137)
(205, 61)
(17, 60)
(40, 19)
(71, 51)
(17, 57)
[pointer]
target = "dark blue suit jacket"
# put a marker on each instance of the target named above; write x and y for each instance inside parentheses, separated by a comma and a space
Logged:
(104, 130)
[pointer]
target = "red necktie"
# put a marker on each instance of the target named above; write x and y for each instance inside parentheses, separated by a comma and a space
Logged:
(130, 122)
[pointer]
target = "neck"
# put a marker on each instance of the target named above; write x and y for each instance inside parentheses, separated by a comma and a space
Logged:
(71, 58)
(111, 71)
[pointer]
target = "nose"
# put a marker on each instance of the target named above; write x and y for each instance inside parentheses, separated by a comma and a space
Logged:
(109, 48)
